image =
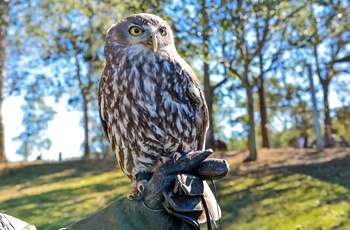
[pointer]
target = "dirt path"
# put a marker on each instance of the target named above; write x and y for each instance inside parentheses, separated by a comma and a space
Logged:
(272, 158)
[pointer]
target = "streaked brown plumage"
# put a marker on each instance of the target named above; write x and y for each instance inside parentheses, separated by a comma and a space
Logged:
(151, 103)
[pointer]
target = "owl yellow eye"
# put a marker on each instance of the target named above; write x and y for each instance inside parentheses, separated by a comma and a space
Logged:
(135, 31)
(162, 31)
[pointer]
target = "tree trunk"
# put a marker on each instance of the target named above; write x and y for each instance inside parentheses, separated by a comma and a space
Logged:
(208, 91)
(87, 139)
(2, 134)
(85, 94)
(4, 22)
(263, 114)
(253, 155)
(319, 140)
(327, 118)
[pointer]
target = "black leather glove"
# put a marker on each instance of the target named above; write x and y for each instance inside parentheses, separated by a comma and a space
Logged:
(178, 186)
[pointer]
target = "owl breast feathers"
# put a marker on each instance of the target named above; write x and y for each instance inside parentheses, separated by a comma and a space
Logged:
(150, 101)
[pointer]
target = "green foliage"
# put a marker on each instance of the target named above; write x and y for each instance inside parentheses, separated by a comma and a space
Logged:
(36, 117)
(341, 125)
(237, 144)
(320, 34)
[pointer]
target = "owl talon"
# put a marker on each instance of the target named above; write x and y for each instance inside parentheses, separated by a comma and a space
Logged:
(133, 197)
(137, 190)
(141, 186)
(163, 160)
(175, 156)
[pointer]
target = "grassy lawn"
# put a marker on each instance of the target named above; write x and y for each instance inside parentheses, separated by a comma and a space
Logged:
(284, 189)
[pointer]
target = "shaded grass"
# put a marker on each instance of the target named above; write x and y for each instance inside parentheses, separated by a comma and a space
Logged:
(273, 193)
(312, 196)
(51, 196)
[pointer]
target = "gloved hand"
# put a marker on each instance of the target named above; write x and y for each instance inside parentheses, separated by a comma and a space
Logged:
(193, 163)
(177, 185)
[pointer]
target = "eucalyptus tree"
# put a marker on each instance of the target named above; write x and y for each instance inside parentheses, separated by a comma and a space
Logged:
(322, 30)
(4, 22)
(342, 113)
(252, 43)
(36, 118)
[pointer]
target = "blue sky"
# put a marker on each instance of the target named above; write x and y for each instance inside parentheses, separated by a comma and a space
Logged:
(64, 131)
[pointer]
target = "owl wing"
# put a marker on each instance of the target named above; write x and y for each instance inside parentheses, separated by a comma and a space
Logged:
(197, 98)
(102, 108)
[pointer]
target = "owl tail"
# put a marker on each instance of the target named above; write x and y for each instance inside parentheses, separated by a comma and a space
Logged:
(212, 209)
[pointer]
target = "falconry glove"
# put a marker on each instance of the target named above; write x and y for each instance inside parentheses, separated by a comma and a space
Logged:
(178, 186)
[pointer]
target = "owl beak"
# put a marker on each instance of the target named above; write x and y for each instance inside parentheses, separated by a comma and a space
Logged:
(154, 41)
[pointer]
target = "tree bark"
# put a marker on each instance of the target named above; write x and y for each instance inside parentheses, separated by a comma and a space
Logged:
(208, 93)
(87, 138)
(319, 141)
(208, 90)
(4, 22)
(84, 93)
(253, 155)
(325, 81)
(263, 114)
(327, 117)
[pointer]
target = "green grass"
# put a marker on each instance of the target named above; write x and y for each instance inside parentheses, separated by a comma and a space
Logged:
(54, 195)
(276, 192)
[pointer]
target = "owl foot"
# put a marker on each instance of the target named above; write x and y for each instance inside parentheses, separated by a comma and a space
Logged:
(174, 155)
(137, 190)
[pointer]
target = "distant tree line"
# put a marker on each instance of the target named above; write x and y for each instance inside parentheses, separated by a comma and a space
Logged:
(254, 59)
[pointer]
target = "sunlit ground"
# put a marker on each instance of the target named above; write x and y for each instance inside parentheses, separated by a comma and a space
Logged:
(285, 189)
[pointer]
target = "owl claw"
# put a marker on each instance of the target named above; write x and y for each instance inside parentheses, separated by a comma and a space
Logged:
(134, 193)
(176, 156)
(133, 197)
(163, 160)
(141, 186)
(137, 190)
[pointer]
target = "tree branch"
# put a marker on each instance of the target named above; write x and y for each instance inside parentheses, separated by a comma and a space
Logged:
(223, 81)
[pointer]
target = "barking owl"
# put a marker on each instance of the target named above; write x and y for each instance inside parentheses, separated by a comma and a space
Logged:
(150, 101)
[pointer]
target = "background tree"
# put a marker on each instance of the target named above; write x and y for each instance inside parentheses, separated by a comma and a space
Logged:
(342, 114)
(322, 31)
(4, 22)
(251, 31)
(35, 123)
(320, 144)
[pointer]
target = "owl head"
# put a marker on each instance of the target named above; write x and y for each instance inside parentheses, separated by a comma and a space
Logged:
(145, 31)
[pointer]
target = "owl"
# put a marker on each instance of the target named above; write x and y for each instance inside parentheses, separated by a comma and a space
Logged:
(150, 101)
